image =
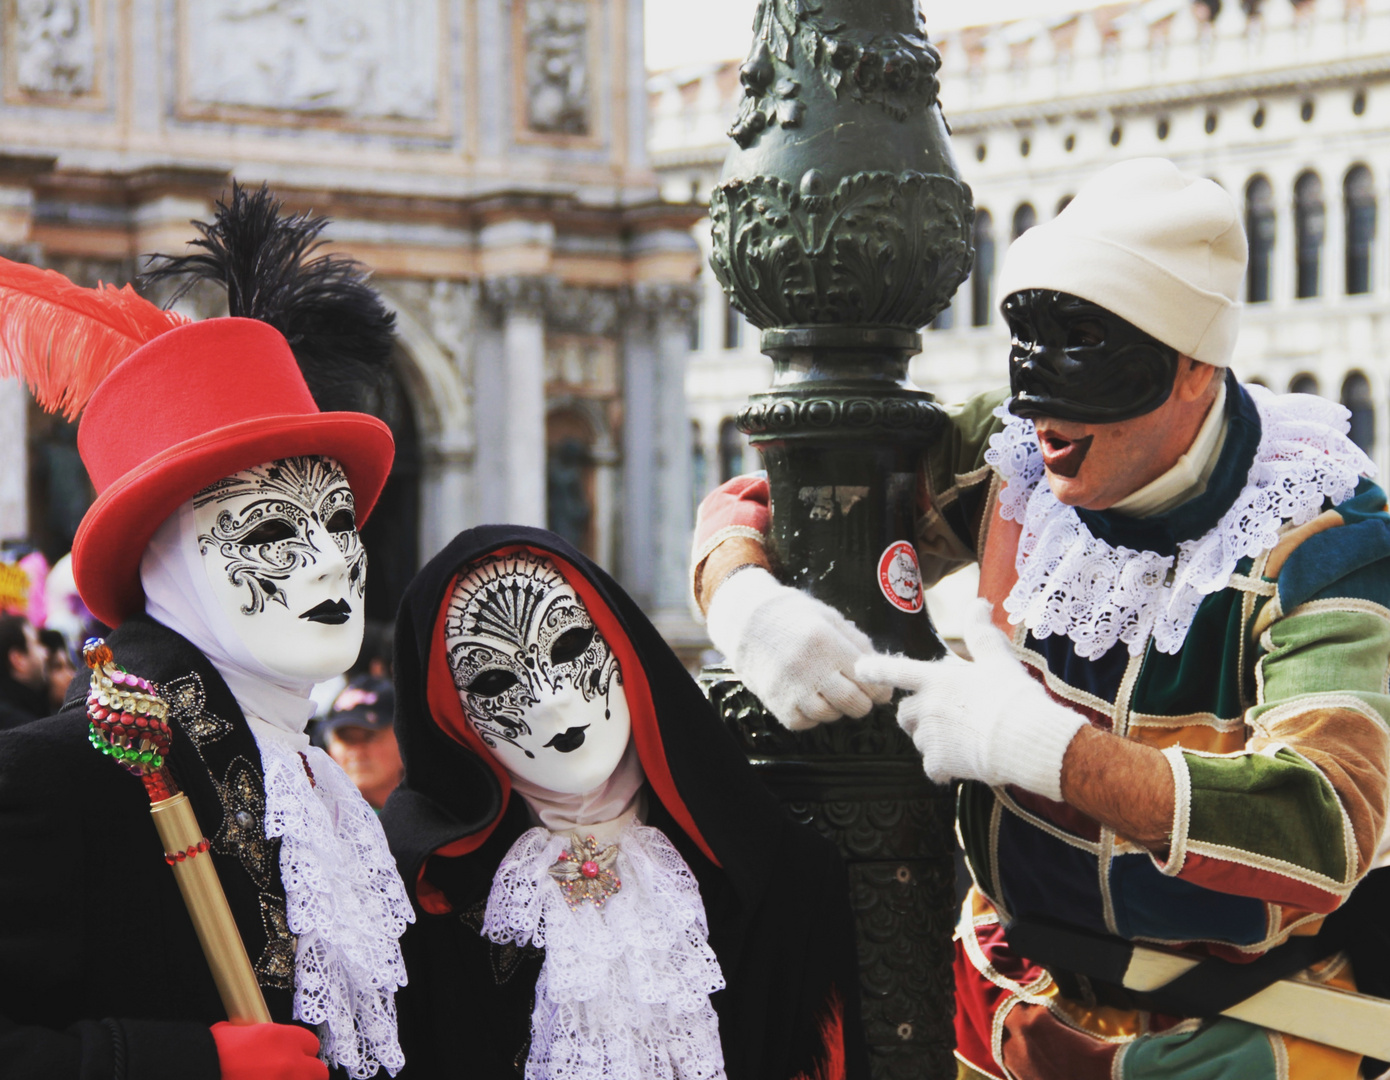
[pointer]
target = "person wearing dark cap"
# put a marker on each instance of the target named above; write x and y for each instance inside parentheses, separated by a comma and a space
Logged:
(359, 736)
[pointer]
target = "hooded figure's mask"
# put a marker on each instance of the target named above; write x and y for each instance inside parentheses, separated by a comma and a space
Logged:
(280, 546)
(1072, 359)
(537, 681)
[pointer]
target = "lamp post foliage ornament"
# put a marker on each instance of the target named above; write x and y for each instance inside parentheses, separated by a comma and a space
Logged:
(840, 227)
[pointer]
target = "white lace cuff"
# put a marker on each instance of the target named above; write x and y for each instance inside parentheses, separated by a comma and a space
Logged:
(1182, 812)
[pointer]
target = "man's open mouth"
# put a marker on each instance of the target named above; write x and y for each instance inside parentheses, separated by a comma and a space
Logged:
(332, 612)
(569, 740)
(1063, 457)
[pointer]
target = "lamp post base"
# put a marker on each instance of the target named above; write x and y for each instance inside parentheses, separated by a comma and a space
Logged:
(860, 784)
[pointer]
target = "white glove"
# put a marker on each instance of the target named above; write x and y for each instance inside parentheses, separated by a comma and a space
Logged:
(988, 720)
(796, 653)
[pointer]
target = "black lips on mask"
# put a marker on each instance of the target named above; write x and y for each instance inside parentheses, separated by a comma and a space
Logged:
(1074, 360)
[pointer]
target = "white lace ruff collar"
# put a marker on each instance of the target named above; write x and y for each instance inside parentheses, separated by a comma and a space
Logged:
(345, 902)
(1071, 583)
(623, 993)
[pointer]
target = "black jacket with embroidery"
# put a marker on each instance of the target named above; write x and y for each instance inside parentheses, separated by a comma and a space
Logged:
(776, 898)
(101, 975)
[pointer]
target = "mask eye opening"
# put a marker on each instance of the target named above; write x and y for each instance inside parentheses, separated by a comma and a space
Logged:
(342, 520)
(492, 682)
(1086, 334)
(269, 532)
(572, 644)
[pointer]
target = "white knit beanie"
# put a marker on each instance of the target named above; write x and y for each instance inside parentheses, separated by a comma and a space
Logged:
(1161, 249)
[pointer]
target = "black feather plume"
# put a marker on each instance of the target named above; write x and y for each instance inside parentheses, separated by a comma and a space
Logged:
(341, 333)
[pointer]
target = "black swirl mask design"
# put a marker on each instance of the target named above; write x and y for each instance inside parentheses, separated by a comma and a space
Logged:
(1074, 360)
(271, 522)
(521, 645)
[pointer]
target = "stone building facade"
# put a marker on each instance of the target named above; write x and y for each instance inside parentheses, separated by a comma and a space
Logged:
(1286, 104)
(486, 158)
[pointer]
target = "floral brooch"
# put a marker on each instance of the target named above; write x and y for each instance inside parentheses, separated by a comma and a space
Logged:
(585, 873)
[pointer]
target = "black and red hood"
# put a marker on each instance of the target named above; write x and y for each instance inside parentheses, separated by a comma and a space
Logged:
(454, 794)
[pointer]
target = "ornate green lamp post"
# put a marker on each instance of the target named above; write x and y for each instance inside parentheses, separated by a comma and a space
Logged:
(840, 227)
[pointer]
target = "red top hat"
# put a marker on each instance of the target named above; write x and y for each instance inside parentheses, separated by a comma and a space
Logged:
(186, 409)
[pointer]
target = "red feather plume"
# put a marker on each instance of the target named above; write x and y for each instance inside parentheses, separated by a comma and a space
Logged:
(63, 339)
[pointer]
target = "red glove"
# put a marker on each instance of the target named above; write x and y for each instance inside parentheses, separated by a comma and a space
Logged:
(267, 1052)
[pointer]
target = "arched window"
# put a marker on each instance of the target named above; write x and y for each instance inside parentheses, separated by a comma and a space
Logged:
(1025, 217)
(730, 449)
(1259, 231)
(1303, 384)
(982, 276)
(1309, 227)
(570, 478)
(1064, 202)
(1356, 396)
(1359, 194)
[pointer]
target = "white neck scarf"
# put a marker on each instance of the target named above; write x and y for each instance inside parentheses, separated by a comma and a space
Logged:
(343, 895)
(623, 992)
(1190, 474)
(1071, 583)
(565, 813)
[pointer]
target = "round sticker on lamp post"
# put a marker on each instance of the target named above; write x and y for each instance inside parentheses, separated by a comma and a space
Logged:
(900, 577)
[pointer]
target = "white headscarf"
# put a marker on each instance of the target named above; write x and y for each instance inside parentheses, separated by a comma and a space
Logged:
(179, 595)
(607, 802)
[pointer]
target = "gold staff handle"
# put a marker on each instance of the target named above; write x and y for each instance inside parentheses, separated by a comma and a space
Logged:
(207, 907)
(128, 721)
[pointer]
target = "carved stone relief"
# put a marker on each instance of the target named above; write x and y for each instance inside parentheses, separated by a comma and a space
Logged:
(372, 59)
(556, 66)
(582, 363)
(579, 310)
(54, 43)
(451, 306)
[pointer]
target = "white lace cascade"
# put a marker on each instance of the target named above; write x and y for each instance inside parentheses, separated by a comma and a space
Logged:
(623, 993)
(1071, 583)
(345, 902)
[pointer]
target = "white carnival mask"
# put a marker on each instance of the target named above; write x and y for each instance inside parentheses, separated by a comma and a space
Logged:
(280, 545)
(537, 681)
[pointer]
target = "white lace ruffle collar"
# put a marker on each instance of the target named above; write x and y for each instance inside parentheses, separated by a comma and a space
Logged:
(623, 992)
(1071, 583)
(345, 903)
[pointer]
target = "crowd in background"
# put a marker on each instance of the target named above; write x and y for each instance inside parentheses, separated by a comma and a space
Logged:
(43, 624)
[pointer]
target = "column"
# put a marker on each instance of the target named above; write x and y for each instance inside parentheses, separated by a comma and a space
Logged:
(511, 399)
(637, 564)
(446, 493)
(672, 306)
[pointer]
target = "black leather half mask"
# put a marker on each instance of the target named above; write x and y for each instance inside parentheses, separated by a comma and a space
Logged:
(1074, 360)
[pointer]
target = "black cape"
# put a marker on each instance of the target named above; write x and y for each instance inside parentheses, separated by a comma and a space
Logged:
(102, 973)
(776, 899)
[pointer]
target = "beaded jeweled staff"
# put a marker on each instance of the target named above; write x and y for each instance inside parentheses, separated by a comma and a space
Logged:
(128, 723)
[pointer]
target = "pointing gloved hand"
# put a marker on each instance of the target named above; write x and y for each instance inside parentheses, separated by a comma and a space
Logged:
(985, 720)
(267, 1052)
(796, 653)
